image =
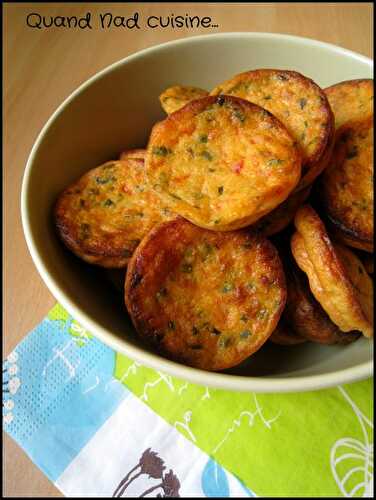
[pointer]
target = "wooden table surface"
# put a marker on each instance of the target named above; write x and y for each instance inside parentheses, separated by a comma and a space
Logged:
(43, 66)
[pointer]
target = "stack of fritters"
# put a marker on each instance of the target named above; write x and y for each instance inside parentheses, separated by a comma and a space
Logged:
(188, 218)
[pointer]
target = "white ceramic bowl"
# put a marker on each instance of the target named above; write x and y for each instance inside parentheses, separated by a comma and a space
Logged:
(114, 110)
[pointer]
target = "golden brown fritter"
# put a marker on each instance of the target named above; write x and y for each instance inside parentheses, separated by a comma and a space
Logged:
(204, 298)
(279, 218)
(285, 335)
(304, 315)
(351, 100)
(299, 103)
(103, 216)
(345, 189)
(176, 97)
(336, 276)
(135, 154)
(222, 162)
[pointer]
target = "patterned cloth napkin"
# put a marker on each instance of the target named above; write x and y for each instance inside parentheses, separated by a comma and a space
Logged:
(100, 425)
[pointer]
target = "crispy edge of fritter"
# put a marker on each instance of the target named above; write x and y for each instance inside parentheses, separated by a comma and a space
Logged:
(328, 279)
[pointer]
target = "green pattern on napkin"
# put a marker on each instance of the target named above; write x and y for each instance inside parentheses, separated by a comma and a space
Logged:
(78, 332)
(300, 444)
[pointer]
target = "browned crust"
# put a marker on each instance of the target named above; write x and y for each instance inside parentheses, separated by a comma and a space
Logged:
(285, 335)
(305, 316)
(136, 154)
(338, 190)
(318, 168)
(314, 163)
(348, 236)
(279, 218)
(160, 255)
(328, 278)
(252, 208)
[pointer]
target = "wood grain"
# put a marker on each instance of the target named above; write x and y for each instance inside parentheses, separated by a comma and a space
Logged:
(43, 66)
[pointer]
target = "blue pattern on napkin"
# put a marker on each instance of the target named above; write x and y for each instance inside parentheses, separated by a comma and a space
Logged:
(58, 393)
(214, 481)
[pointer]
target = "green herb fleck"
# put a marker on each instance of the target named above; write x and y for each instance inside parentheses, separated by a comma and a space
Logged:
(224, 342)
(247, 245)
(220, 190)
(108, 203)
(239, 115)
(227, 287)
(188, 252)
(244, 318)
(161, 151)
(203, 138)
(315, 139)
(305, 124)
(245, 334)
(205, 250)
(274, 162)
(217, 221)
(267, 97)
(173, 195)
(302, 103)
(205, 154)
(166, 211)
(362, 204)
(251, 285)
(103, 180)
(186, 268)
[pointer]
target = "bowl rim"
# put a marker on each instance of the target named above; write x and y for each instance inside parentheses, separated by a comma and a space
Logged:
(241, 383)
